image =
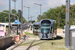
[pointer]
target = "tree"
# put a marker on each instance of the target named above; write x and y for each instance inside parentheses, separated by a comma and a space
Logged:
(4, 17)
(59, 14)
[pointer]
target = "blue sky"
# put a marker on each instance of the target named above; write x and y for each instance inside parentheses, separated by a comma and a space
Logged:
(34, 9)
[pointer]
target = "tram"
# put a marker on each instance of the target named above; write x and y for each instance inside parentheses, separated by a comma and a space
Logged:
(48, 29)
(36, 28)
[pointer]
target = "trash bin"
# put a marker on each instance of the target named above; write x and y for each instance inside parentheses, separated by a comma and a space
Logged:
(72, 39)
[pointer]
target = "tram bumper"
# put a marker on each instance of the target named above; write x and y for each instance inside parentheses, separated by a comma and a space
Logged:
(45, 36)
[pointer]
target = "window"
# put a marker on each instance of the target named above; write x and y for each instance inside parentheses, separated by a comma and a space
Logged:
(45, 28)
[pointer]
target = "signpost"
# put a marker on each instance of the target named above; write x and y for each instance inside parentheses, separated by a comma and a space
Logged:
(17, 22)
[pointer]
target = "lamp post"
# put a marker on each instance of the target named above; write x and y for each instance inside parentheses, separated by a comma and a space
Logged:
(14, 4)
(40, 8)
(14, 7)
(28, 12)
(9, 15)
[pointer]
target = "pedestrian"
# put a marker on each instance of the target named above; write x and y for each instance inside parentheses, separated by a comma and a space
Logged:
(13, 31)
(24, 36)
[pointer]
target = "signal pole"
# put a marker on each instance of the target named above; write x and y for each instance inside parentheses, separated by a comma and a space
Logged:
(67, 33)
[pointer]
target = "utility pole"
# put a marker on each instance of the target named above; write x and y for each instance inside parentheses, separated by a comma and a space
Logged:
(22, 13)
(40, 8)
(28, 11)
(9, 15)
(67, 33)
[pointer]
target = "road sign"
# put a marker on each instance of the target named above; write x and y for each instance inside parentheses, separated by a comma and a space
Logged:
(17, 22)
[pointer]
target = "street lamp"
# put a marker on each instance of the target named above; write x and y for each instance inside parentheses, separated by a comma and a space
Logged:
(40, 8)
(28, 12)
(14, 7)
(14, 4)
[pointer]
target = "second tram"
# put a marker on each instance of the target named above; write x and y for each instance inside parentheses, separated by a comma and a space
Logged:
(36, 28)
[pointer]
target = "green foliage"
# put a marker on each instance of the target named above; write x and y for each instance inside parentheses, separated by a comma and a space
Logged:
(71, 21)
(28, 33)
(4, 17)
(58, 14)
(32, 21)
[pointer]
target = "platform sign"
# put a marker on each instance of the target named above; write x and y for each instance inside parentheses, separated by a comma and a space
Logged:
(17, 22)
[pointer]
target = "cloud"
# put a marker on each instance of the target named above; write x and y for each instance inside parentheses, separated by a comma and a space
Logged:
(2, 2)
(54, 3)
(34, 9)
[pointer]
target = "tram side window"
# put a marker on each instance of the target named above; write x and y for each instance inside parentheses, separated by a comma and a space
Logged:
(52, 30)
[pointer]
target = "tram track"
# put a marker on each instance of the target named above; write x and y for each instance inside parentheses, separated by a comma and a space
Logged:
(34, 41)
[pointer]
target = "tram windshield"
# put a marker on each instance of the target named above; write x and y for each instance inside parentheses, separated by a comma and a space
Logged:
(45, 28)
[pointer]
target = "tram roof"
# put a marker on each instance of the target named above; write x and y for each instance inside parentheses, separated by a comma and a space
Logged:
(49, 19)
(37, 23)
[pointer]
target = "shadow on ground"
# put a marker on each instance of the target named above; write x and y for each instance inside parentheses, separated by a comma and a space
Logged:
(58, 38)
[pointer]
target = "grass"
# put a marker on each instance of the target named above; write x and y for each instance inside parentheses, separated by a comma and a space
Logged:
(48, 44)
(56, 44)
(28, 33)
(31, 35)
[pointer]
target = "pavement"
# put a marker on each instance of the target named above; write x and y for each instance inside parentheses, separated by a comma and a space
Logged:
(28, 30)
(25, 47)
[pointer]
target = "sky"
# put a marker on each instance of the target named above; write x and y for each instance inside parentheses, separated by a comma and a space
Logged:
(34, 9)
